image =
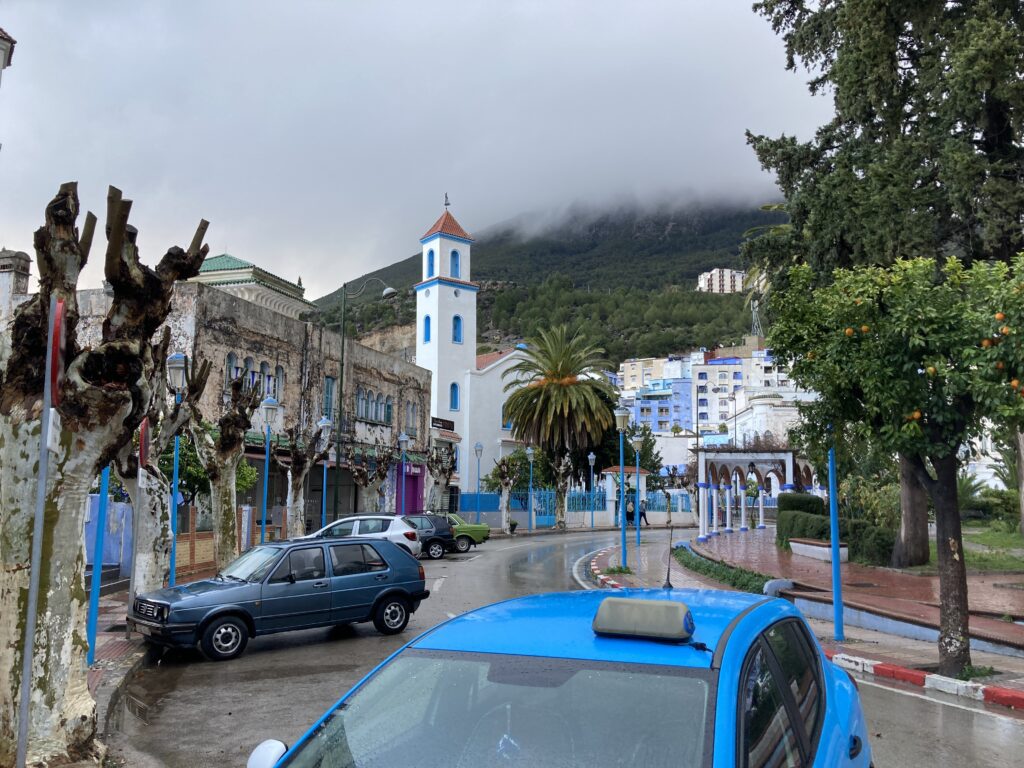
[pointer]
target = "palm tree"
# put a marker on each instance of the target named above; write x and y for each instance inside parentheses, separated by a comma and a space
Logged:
(560, 397)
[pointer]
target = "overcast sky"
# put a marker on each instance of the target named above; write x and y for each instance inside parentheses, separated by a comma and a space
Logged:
(319, 138)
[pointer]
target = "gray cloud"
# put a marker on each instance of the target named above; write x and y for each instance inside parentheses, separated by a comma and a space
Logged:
(320, 137)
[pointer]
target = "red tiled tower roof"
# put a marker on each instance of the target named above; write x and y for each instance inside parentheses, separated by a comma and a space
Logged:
(447, 225)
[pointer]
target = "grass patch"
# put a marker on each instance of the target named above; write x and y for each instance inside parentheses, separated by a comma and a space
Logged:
(616, 569)
(971, 672)
(995, 560)
(996, 539)
(740, 578)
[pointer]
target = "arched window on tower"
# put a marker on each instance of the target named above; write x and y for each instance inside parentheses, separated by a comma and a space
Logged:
(430, 263)
(457, 329)
(456, 267)
(453, 397)
(426, 329)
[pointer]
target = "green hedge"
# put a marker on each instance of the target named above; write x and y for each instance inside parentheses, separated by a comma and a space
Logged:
(801, 502)
(740, 578)
(868, 543)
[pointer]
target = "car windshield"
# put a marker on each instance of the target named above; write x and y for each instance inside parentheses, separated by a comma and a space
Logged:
(252, 565)
(458, 520)
(460, 710)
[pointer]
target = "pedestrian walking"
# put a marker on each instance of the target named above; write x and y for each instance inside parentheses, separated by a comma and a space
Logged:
(643, 512)
(629, 511)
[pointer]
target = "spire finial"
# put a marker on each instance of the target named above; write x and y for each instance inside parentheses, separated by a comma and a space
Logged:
(446, 203)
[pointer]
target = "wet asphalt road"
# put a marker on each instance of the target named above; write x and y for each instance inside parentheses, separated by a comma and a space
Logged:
(188, 712)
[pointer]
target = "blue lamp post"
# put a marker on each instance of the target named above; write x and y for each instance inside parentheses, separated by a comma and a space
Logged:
(621, 422)
(478, 449)
(593, 492)
(176, 365)
(637, 442)
(269, 407)
(403, 443)
(837, 581)
(529, 495)
(97, 564)
(325, 434)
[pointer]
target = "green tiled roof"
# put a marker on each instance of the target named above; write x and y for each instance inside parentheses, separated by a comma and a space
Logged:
(224, 261)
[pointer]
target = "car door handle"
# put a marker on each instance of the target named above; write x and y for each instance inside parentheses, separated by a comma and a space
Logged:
(320, 584)
(381, 577)
(856, 745)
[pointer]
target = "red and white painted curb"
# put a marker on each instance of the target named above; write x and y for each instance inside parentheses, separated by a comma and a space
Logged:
(600, 578)
(993, 694)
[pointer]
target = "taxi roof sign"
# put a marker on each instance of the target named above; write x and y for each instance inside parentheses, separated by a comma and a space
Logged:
(650, 619)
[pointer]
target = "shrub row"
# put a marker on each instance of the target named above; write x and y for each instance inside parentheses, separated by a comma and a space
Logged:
(740, 578)
(801, 502)
(868, 543)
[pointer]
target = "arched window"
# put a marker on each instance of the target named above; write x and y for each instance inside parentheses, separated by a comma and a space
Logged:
(426, 329)
(230, 369)
(250, 373)
(457, 329)
(430, 263)
(359, 403)
(368, 407)
(378, 408)
(456, 267)
(388, 407)
(453, 397)
(266, 380)
(278, 382)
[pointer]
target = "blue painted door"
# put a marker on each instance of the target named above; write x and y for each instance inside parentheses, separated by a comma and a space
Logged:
(298, 593)
(359, 574)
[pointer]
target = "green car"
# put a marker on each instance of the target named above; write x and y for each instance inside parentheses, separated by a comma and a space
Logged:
(468, 534)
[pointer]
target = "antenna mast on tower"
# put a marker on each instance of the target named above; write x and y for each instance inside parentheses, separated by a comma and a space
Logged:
(755, 325)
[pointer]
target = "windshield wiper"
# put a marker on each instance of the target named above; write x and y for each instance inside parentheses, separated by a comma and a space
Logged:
(229, 576)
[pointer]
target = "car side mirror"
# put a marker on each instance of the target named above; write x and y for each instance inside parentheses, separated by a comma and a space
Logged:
(266, 754)
(291, 577)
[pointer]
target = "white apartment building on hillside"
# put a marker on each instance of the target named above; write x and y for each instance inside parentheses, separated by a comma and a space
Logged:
(721, 280)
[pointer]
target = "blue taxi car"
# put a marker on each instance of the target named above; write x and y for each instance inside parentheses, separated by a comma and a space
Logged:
(642, 678)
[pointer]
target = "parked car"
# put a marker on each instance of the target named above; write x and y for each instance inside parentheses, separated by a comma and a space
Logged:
(283, 586)
(468, 534)
(436, 534)
(391, 527)
(710, 679)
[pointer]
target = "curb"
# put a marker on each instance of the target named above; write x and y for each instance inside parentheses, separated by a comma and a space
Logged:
(600, 578)
(993, 694)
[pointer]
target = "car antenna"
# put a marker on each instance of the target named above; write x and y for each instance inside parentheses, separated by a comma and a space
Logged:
(668, 565)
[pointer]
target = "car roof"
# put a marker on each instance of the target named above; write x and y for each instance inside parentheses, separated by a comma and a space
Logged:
(559, 625)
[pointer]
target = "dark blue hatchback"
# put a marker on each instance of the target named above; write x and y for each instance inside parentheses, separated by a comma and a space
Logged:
(283, 586)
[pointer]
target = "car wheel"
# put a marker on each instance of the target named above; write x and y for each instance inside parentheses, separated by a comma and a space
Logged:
(391, 616)
(435, 550)
(463, 543)
(224, 638)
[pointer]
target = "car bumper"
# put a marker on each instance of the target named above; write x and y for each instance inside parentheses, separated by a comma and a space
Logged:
(165, 634)
(418, 597)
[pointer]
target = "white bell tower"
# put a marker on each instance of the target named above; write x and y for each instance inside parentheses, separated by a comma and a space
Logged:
(446, 318)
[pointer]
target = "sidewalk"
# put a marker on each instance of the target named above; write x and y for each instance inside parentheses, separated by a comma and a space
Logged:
(864, 650)
(115, 657)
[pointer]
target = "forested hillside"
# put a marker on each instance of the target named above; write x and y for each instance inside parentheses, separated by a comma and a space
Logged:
(625, 277)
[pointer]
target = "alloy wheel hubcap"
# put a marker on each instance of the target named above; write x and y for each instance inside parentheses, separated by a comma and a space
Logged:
(226, 638)
(394, 614)
(435, 550)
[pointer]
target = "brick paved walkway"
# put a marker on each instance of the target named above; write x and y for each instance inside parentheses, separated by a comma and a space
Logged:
(114, 654)
(899, 595)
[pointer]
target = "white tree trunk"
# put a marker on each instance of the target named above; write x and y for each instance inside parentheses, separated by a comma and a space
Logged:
(504, 506)
(151, 529)
(296, 504)
(225, 523)
(62, 711)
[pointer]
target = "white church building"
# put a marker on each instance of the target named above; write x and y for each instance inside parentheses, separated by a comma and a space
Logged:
(467, 389)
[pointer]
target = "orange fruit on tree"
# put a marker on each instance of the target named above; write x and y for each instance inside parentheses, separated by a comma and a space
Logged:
(1015, 383)
(864, 329)
(1000, 365)
(931, 370)
(916, 415)
(1005, 330)
(985, 343)
(849, 331)
(1000, 316)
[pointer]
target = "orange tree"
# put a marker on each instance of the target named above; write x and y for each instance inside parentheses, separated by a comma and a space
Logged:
(920, 353)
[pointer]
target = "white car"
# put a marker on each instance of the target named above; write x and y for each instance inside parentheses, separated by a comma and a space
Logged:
(394, 528)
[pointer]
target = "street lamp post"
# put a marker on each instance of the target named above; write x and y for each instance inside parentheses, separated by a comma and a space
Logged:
(529, 495)
(176, 365)
(325, 434)
(403, 443)
(593, 493)
(732, 399)
(637, 442)
(621, 422)
(478, 449)
(269, 407)
(387, 293)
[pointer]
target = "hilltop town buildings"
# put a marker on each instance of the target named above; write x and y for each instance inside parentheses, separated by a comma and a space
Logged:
(721, 280)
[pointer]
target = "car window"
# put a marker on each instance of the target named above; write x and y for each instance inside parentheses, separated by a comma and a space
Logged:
(374, 561)
(373, 525)
(338, 530)
(348, 559)
(418, 522)
(799, 671)
(308, 563)
(767, 736)
(441, 524)
(403, 522)
(283, 569)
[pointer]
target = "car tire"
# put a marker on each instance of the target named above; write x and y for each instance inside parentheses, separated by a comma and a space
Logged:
(463, 543)
(224, 638)
(435, 550)
(391, 615)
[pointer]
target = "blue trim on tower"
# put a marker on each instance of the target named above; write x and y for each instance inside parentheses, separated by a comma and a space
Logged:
(463, 284)
(426, 240)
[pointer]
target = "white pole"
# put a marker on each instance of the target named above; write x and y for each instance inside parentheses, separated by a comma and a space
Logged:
(702, 521)
(714, 510)
(743, 510)
(728, 507)
(760, 506)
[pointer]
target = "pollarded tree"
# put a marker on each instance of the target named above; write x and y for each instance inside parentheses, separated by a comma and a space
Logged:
(559, 397)
(146, 484)
(441, 466)
(507, 471)
(221, 451)
(914, 353)
(304, 454)
(370, 472)
(106, 393)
